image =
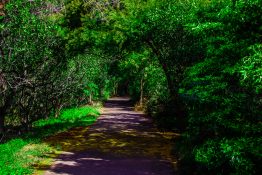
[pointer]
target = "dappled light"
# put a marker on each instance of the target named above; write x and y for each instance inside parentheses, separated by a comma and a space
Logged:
(180, 82)
(120, 142)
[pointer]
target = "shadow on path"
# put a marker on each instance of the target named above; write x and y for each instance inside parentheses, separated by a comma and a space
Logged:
(121, 142)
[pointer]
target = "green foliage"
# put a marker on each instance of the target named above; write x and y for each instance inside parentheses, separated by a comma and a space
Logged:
(39, 76)
(213, 152)
(18, 156)
(200, 58)
(223, 101)
(250, 69)
(194, 64)
(68, 119)
(9, 164)
(31, 62)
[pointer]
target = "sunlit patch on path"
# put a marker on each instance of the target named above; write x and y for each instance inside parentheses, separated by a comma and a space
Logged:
(121, 142)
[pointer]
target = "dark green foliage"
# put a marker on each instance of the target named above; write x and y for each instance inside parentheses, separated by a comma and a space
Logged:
(199, 58)
(194, 65)
(38, 74)
(223, 90)
(31, 59)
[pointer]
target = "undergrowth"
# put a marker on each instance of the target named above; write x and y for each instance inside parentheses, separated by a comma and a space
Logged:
(18, 156)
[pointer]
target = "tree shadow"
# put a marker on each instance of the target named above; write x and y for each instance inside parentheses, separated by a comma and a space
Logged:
(99, 163)
(121, 142)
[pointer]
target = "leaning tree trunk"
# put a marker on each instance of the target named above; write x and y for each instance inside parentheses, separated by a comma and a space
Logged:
(175, 104)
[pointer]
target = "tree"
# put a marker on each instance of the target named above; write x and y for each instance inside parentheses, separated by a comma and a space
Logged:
(31, 61)
(199, 59)
(224, 113)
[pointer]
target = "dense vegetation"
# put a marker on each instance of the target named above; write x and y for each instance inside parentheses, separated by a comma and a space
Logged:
(194, 65)
(22, 154)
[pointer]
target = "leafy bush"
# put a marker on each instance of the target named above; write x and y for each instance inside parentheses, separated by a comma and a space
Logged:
(18, 156)
(223, 101)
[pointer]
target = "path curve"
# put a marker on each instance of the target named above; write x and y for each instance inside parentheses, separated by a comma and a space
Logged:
(121, 142)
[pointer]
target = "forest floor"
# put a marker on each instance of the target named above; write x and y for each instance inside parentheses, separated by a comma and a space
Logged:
(121, 142)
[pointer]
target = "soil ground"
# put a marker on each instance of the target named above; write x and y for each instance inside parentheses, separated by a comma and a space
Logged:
(121, 142)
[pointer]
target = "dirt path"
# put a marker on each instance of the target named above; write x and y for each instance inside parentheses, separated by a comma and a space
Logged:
(121, 142)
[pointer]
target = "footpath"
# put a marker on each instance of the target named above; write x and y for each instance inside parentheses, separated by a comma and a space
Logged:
(121, 142)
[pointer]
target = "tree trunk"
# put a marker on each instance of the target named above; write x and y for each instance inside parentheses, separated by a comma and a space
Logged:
(2, 120)
(141, 90)
(58, 109)
(170, 83)
(90, 98)
(3, 111)
(115, 89)
(175, 106)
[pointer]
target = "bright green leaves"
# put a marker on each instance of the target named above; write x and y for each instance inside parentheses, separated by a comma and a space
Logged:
(28, 30)
(135, 61)
(92, 90)
(206, 52)
(9, 163)
(250, 68)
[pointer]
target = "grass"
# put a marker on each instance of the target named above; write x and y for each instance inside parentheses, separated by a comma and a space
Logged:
(20, 155)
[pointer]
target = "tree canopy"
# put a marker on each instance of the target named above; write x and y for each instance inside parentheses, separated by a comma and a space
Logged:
(195, 66)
